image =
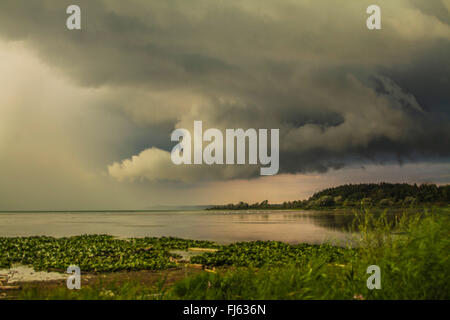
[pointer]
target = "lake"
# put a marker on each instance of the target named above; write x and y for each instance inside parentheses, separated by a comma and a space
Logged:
(220, 226)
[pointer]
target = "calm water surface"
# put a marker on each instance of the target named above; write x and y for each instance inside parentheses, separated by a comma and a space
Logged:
(219, 226)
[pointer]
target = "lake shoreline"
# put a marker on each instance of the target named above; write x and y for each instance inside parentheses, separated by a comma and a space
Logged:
(153, 268)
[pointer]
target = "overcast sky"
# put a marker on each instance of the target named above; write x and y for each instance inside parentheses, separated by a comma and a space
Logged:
(86, 116)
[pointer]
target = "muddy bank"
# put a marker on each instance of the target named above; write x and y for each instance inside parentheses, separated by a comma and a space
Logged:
(54, 281)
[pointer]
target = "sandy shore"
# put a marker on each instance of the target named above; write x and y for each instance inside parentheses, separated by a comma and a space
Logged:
(19, 273)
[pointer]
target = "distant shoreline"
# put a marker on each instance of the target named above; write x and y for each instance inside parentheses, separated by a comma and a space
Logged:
(354, 196)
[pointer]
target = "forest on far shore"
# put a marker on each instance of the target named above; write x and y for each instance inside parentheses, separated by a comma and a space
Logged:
(356, 195)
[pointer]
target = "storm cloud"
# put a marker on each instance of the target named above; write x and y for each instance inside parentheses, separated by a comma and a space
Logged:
(340, 94)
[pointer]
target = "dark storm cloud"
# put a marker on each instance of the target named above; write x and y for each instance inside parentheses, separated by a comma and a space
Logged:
(338, 93)
(428, 77)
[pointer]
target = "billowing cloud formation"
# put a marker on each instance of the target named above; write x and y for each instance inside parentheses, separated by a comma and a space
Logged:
(339, 93)
(155, 165)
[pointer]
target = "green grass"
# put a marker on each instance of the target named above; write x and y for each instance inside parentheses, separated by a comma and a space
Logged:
(132, 290)
(412, 251)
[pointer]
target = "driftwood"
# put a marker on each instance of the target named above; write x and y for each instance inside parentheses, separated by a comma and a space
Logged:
(9, 287)
(195, 266)
(202, 249)
(213, 270)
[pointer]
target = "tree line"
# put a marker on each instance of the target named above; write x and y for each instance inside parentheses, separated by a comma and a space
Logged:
(354, 195)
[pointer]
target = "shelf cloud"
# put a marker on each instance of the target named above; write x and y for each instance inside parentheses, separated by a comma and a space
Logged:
(341, 95)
